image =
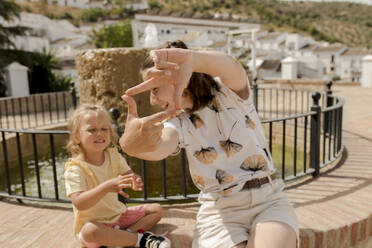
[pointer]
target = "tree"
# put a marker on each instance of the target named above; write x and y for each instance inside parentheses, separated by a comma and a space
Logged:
(42, 76)
(8, 12)
(116, 35)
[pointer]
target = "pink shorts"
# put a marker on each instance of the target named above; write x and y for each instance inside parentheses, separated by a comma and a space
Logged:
(128, 218)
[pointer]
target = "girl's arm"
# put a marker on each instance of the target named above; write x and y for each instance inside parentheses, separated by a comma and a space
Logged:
(86, 199)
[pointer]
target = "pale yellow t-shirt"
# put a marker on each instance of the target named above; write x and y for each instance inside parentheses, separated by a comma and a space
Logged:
(82, 176)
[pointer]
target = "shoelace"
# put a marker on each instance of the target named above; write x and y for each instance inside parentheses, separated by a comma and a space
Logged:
(154, 241)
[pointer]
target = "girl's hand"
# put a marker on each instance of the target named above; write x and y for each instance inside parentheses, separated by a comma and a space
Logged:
(116, 184)
(172, 66)
(137, 183)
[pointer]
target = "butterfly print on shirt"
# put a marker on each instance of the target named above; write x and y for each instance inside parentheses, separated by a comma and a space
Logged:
(255, 162)
(206, 155)
(223, 177)
(249, 123)
(198, 180)
(230, 147)
(215, 105)
(196, 120)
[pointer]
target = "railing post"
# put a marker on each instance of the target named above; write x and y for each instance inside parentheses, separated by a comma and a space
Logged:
(115, 114)
(73, 95)
(329, 102)
(255, 93)
(315, 135)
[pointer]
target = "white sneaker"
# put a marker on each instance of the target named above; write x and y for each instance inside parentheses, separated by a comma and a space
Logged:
(150, 240)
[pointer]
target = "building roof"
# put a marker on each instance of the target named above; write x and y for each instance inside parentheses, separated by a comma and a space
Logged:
(271, 64)
(197, 18)
(270, 36)
(309, 46)
(328, 49)
(218, 44)
(355, 52)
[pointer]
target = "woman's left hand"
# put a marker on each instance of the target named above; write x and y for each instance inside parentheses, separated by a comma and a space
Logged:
(172, 66)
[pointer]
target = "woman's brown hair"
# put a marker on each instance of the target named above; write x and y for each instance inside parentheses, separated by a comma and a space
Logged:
(201, 84)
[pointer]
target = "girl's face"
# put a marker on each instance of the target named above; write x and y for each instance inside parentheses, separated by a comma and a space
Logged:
(94, 132)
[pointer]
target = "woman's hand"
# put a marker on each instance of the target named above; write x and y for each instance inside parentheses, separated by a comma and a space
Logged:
(142, 135)
(172, 66)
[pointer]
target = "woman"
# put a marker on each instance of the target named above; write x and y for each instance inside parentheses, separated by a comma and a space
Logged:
(242, 204)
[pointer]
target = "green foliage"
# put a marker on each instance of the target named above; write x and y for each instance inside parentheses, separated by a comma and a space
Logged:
(42, 78)
(336, 78)
(65, 15)
(349, 23)
(60, 82)
(42, 75)
(116, 35)
(9, 11)
(153, 4)
(92, 14)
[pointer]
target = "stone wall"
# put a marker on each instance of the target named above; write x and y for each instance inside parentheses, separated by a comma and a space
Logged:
(105, 74)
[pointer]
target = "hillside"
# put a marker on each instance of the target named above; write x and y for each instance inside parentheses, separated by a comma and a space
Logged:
(348, 23)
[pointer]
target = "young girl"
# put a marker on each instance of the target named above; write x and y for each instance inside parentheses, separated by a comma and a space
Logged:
(242, 203)
(94, 176)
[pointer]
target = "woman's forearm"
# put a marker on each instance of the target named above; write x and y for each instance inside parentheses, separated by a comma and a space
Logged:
(167, 145)
(218, 64)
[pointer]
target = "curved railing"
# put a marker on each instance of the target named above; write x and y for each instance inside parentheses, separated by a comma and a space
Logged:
(301, 137)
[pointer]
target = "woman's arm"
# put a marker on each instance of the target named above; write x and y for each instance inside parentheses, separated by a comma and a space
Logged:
(167, 145)
(146, 137)
(218, 64)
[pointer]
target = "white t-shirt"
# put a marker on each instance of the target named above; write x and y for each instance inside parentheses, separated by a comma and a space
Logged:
(224, 142)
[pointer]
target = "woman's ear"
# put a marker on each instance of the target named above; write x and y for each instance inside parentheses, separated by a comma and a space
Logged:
(185, 93)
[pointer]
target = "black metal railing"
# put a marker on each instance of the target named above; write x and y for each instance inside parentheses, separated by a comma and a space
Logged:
(304, 135)
(36, 110)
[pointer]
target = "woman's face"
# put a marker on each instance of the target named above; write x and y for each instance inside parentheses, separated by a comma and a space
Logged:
(163, 95)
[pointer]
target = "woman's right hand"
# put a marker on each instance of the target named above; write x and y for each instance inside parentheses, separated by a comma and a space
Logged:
(142, 135)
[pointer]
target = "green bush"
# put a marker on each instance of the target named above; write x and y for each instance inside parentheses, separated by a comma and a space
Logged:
(92, 14)
(42, 73)
(336, 78)
(116, 35)
(65, 15)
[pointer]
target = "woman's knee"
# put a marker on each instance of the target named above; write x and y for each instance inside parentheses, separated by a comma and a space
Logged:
(281, 235)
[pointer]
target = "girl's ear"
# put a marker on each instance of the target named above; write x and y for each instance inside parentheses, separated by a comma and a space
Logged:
(76, 139)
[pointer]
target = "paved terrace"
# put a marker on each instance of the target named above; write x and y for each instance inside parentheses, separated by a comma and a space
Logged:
(334, 210)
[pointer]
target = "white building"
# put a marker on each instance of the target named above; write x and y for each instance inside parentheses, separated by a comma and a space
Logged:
(330, 59)
(271, 41)
(351, 66)
(196, 32)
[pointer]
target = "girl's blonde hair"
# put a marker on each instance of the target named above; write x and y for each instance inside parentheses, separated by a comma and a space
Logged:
(74, 126)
